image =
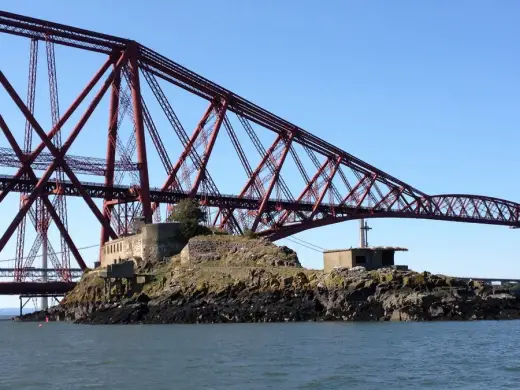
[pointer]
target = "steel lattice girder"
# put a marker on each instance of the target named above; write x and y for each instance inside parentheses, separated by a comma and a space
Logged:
(80, 164)
(38, 273)
(184, 78)
(482, 209)
(396, 200)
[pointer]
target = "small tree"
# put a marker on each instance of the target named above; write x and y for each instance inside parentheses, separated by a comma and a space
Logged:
(187, 210)
(188, 213)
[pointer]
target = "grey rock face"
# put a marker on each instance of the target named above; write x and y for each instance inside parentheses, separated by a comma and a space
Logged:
(265, 297)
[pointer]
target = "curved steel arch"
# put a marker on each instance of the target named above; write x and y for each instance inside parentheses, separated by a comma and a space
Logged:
(449, 207)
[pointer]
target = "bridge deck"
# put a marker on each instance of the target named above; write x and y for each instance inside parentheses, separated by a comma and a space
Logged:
(51, 273)
(36, 288)
(124, 194)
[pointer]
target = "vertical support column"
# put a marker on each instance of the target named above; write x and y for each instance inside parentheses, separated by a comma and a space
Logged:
(111, 151)
(139, 133)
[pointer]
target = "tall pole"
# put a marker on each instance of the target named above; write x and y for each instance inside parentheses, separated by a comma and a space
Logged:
(362, 237)
(363, 233)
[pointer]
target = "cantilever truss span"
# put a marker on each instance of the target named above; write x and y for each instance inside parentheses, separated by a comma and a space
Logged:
(297, 181)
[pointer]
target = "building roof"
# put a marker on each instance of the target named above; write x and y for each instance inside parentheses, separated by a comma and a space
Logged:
(372, 248)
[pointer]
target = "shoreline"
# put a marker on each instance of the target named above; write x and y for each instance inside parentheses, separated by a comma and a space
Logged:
(360, 300)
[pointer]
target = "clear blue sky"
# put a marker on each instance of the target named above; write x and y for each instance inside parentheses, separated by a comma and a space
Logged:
(427, 91)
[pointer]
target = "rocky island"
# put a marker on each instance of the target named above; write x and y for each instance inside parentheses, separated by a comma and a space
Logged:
(218, 279)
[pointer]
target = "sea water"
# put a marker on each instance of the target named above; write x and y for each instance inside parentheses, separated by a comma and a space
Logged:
(441, 355)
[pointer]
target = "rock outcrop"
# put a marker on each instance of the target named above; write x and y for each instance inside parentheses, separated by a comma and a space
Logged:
(240, 280)
(236, 251)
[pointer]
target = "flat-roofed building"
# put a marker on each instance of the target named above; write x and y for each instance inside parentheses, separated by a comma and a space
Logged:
(370, 258)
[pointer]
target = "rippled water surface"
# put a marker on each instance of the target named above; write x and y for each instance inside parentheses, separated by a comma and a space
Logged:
(469, 355)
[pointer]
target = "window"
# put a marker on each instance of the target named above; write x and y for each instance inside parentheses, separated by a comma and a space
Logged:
(361, 260)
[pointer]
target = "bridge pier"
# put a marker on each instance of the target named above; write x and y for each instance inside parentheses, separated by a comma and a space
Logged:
(44, 305)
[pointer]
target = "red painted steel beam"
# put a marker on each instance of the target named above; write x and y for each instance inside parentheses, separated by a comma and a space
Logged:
(398, 194)
(188, 149)
(325, 188)
(25, 207)
(60, 201)
(58, 154)
(58, 33)
(31, 97)
(65, 233)
(54, 215)
(367, 187)
(308, 187)
(287, 231)
(202, 169)
(276, 174)
(234, 202)
(111, 150)
(80, 164)
(32, 157)
(144, 190)
(383, 200)
(254, 177)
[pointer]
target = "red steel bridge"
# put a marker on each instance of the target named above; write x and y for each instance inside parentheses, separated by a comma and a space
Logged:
(289, 180)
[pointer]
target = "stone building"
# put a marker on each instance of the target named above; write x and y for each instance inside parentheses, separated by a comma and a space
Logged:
(150, 242)
(370, 258)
